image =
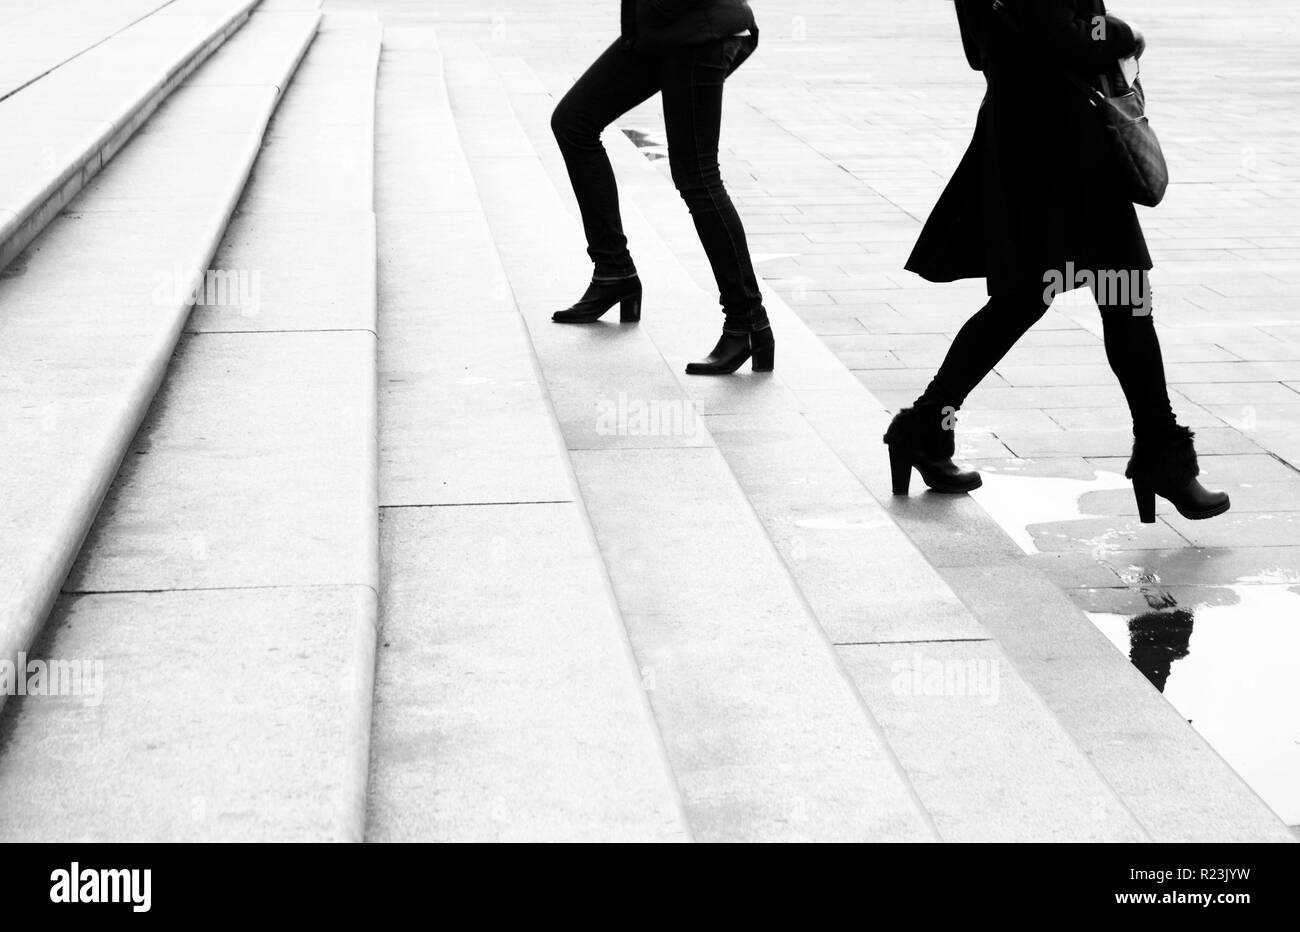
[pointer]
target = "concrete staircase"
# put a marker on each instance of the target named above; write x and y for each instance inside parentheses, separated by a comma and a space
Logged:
(228, 584)
(82, 355)
(368, 548)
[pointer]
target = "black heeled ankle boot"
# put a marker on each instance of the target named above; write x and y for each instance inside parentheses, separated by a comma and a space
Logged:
(601, 295)
(732, 351)
(919, 438)
(1165, 465)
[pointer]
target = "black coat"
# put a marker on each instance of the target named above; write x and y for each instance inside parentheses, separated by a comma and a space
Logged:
(668, 25)
(1037, 188)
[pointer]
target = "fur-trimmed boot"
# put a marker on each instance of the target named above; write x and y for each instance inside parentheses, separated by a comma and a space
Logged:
(924, 437)
(1165, 464)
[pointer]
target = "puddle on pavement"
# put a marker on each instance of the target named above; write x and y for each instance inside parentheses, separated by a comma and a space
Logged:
(1226, 660)
(1229, 668)
(1018, 502)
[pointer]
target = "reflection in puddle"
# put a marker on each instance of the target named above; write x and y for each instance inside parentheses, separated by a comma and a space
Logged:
(1225, 658)
(1156, 640)
(1230, 670)
(1018, 502)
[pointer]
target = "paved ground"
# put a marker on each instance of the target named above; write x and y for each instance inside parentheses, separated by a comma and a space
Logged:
(840, 134)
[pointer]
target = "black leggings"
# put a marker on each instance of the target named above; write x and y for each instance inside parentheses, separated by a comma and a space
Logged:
(1132, 348)
(690, 82)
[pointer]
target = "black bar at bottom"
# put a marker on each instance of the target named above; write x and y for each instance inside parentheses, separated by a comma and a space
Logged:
(302, 882)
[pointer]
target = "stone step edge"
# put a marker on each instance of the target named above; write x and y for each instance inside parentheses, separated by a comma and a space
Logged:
(362, 683)
(19, 229)
(34, 598)
(94, 45)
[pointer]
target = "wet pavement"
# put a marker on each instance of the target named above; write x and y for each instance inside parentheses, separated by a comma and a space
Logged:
(1225, 657)
(1223, 654)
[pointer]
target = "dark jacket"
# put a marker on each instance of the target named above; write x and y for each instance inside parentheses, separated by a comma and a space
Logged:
(668, 25)
(1038, 187)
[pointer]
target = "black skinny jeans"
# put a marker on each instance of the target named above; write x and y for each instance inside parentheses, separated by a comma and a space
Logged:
(690, 81)
(1132, 349)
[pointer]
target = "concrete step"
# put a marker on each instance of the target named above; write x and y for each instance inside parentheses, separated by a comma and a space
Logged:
(766, 733)
(37, 37)
(84, 354)
(227, 587)
(1075, 744)
(508, 705)
(60, 129)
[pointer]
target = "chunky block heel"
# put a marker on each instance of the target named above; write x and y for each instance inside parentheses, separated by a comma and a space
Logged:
(1164, 463)
(900, 468)
(732, 351)
(921, 438)
(1146, 502)
(600, 297)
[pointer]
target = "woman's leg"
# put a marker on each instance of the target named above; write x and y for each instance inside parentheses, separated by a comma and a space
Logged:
(692, 93)
(982, 342)
(1164, 460)
(921, 437)
(1133, 351)
(615, 83)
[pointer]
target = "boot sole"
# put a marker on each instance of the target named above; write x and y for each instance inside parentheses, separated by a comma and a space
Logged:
(954, 489)
(1203, 515)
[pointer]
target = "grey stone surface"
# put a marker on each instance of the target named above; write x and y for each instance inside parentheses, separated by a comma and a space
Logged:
(185, 172)
(225, 716)
(110, 90)
(989, 759)
(216, 108)
(768, 738)
(863, 577)
(85, 380)
(252, 488)
(292, 271)
(41, 36)
(255, 467)
(259, 51)
(462, 416)
(509, 712)
(508, 703)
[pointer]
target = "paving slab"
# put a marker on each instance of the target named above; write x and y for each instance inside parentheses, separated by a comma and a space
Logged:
(511, 712)
(766, 735)
(462, 417)
(291, 252)
(187, 740)
(254, 468)
(984, 750)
